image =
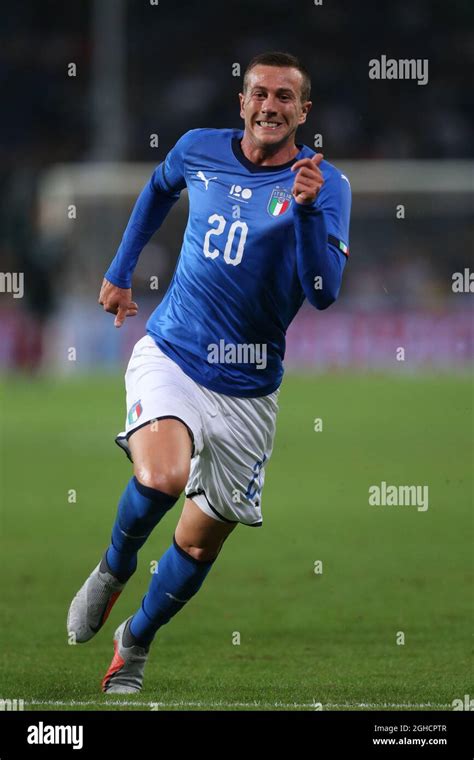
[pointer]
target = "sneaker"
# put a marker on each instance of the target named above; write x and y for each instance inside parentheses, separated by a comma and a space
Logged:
(92, 604)
(125, 674)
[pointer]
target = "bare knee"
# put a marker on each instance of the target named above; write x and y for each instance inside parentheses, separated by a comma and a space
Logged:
(197, 544)
(199, 535)
(171, 480)
(201, 553)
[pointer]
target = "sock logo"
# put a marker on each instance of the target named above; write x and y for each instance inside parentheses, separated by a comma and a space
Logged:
(183, 601)
(41, 734)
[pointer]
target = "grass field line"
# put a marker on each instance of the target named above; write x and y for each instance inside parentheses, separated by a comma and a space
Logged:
(164, 705)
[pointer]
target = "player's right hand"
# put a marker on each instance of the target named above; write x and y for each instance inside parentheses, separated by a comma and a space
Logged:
(117, 301)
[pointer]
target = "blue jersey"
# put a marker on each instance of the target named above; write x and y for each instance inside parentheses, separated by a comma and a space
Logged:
(250, 256)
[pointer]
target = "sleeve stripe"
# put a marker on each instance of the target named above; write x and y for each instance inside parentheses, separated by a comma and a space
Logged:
(339, 244)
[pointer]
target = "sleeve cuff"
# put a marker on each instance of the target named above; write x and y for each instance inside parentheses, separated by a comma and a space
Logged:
(119, 282)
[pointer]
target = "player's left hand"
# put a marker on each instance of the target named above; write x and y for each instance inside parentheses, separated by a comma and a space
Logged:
(309, 180)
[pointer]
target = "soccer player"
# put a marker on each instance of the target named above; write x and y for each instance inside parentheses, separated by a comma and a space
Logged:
(268, 227)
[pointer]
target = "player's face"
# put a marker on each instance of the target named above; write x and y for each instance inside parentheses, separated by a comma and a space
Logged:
(271, 106)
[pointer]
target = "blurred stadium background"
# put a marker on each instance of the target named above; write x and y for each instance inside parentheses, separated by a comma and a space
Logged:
(144, 70)
(162, 69)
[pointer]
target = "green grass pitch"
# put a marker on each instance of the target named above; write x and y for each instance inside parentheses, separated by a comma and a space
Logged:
(305, 638)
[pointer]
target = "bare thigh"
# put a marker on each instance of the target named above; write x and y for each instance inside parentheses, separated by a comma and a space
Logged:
(161, 453)
(161, 456)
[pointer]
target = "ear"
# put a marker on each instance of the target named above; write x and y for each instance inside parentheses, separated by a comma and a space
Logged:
(305, 109)
(242, 101)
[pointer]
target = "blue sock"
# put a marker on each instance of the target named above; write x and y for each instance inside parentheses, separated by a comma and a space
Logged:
(178, 577)
(140, 509)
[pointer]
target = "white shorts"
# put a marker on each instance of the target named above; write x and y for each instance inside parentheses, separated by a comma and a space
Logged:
(232, 437)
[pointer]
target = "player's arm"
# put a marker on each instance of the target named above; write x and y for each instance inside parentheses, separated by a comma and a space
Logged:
(150, 210)
(321, 219)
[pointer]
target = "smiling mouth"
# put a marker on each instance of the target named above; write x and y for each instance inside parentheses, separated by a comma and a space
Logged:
(268, 124)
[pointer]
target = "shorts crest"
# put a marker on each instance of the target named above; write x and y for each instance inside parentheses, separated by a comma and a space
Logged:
(134, 412)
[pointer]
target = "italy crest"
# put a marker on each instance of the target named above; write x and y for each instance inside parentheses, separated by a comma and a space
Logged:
(135, 412)
(279, 202)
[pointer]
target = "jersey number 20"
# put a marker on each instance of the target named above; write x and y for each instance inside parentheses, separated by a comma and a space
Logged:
(239, 226)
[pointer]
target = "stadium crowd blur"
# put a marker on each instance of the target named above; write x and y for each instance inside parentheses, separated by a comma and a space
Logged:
(178, 73)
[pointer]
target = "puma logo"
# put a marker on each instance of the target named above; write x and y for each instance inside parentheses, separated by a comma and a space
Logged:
(205, 179)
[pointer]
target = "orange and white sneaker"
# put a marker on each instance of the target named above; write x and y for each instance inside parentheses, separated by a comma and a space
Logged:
(92, 604)
(125, 674)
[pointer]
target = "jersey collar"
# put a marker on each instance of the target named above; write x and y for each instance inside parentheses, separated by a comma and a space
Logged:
(256, 168)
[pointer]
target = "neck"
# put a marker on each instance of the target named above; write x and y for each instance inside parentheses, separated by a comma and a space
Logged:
(271, 155)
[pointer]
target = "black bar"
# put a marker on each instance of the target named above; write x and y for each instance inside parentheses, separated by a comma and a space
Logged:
(322, 733)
